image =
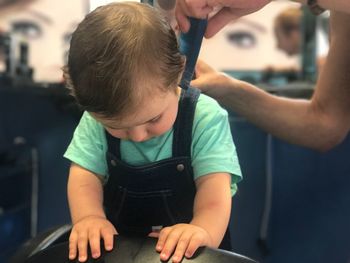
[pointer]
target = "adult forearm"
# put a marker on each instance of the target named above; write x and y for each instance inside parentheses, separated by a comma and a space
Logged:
(321, 123)
(331, 99)
(293, 120)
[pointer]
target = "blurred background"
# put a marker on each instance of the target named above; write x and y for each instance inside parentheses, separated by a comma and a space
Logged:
(293, 204)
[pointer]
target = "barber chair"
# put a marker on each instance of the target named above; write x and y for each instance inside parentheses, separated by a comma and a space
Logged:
(52, 247)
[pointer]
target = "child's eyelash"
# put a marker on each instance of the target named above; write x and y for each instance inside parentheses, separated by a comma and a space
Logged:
(155, 119)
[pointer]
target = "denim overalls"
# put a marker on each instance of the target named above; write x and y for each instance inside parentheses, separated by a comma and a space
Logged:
(139, 199)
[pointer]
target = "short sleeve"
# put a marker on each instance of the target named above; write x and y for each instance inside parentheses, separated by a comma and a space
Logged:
(213, 148)
(88, 146)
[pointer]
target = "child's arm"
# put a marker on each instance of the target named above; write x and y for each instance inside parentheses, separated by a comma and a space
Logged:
(85, 196)
(212, 208)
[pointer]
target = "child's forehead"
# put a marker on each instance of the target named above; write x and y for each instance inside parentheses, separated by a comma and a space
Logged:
(148, 88)
(150, 106)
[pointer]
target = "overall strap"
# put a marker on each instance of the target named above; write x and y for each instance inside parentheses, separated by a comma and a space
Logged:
(190, 44)
(182, 139)
(113, 144)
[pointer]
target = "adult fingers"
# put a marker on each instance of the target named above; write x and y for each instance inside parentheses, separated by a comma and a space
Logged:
(202, 72)
(185, 9)
(202, 68)
(195, 8)
(219, 20)
(182, 20)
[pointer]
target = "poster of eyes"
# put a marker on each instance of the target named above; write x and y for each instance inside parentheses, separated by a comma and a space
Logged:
(248, 43)
(46, 26)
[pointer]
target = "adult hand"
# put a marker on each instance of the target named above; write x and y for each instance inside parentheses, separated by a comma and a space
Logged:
(211, 82)
(218, 12)
(183, 240)
(90, 230)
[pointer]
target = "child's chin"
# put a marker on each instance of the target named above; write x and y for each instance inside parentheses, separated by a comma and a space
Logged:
(143, 140)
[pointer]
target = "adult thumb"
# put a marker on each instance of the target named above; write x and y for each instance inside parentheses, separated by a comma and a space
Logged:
(219, 20)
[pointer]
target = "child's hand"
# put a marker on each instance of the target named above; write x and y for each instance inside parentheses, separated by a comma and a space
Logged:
(185, 239)
(90, 229)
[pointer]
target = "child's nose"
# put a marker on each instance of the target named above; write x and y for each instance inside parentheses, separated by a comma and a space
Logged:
(137, 134)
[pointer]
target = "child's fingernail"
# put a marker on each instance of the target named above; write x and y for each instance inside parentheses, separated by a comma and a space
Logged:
(163, 255)
(175, 259)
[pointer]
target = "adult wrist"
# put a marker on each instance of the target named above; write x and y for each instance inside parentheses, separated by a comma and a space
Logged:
(227, 84)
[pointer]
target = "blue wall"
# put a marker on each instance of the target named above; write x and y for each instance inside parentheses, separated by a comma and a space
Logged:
(310, 199)
(45, 118)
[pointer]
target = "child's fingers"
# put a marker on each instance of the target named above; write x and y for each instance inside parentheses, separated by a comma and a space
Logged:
(73, 240)
(194, 243)
(94, 241)
(82, 246)
(108, 238)
(162, 238)
(181, 246)
(170, 243)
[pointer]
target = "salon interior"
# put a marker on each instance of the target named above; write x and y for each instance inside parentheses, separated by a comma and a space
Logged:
(293, 204)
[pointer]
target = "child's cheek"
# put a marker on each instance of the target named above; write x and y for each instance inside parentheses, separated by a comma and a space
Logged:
(117, 133)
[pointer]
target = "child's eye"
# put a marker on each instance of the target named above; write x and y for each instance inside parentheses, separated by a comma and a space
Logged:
(155, 119)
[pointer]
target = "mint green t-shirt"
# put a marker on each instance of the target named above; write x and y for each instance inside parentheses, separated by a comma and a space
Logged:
(212, 150)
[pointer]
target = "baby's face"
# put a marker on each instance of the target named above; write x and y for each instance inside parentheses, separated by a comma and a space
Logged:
(154, 116)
